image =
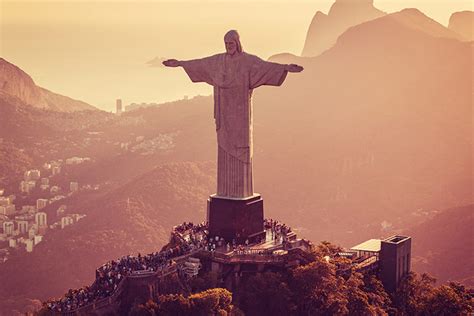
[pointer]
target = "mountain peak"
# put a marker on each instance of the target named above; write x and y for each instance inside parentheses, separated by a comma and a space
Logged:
(17, 83)
(355, 1)
(325, 29)
(463, 24)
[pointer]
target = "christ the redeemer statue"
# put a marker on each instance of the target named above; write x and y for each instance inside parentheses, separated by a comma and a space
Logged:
(234, 74)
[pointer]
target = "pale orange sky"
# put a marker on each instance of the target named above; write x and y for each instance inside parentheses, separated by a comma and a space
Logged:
(96, 50)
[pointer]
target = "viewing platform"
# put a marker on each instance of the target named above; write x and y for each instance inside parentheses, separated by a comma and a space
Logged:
(178, 258)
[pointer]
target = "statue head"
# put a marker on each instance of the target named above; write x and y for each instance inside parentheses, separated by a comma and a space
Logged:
(232, 42)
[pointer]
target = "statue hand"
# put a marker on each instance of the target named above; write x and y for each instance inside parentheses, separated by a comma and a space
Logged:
(172, 63)
(294, 68)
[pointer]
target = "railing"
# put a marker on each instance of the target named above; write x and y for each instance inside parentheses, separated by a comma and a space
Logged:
(248, 257)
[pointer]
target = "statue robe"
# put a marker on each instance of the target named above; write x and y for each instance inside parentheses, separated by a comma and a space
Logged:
(233, 79)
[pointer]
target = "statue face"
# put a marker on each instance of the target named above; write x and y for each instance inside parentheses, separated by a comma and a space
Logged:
(230, 47)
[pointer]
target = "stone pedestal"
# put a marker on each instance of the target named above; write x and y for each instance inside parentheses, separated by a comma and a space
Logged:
(238, 219)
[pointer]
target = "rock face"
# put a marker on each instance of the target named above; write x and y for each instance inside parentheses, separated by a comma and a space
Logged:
(325, 29)
(463, 24)
(17, 83)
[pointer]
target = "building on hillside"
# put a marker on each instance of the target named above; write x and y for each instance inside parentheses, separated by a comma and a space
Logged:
(8, 228)
(390, 257)
(66, 221)
(22, 226)
(28, 209)
(33, 174)
(74, 186)
(37, 239)
(29, 245)
(54, 189)
(61, 210)
(395, 261)
(55, 170)
(12, 243)
(41, 203)
(27, 186)
(368, 248)
(4, 201)
(118, 106)
(7, 209)
(74, 161)
(32, 231)
(41, 219)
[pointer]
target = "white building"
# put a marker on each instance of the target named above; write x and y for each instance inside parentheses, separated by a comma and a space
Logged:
(12, 243)
(56, 170)
(66, 221)
(27, 186)
(32, 231)
(33, 174)
(8, 228)
(54, 189)
(61, 210)
(30, 209)
(7, 209)
(4, 201)
(74, 161)
(38, 239)
(29, 245)
(74, 186)
(22, 227)
(44, 181)
(41, 203)
(41, 219)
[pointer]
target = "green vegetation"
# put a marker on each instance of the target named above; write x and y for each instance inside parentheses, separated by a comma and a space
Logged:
(322, 287)
(210, 302)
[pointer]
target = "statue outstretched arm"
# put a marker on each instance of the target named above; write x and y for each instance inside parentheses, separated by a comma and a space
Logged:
(172, 63)
(198, 70)
(294, 68)
(269, 73)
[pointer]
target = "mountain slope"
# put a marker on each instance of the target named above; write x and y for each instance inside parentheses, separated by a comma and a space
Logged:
(443, 245)
(17, 83)
(368, 132)
(135, 218)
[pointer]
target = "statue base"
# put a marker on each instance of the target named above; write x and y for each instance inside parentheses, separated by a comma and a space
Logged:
(236, 219)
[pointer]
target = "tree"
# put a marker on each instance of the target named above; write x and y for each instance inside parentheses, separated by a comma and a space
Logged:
(173, 305)
(216, 301)
(266, 294)
(417, 295)
(317, 289)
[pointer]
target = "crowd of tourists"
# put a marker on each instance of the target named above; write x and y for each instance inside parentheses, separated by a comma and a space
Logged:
(189, 237)
(109, 275)
(279, 231)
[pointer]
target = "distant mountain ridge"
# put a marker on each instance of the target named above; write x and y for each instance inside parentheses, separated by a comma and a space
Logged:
(17, 83)
(325, 29)
(463, 24)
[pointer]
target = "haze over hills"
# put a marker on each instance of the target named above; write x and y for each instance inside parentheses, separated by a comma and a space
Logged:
(16, 82)
(325, 29)
(443, 245)
(373, 133)
(136, 217)
(463, 24)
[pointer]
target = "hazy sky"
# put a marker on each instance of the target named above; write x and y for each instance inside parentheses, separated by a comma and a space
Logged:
(96, 50)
